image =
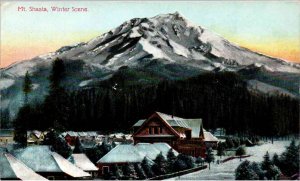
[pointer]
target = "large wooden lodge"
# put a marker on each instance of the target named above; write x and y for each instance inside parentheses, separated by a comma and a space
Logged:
(184, 135)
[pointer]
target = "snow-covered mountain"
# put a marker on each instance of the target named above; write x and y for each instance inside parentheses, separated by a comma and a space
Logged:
(167, 45)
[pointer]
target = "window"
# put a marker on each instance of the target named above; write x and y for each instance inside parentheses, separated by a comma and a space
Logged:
(155, 130)
(161, 130)
(105, 169)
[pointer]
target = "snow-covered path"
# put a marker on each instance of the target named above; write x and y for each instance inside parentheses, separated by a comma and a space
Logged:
(225, 171)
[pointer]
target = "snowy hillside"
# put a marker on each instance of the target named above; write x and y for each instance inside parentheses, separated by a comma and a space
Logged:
(156, 43)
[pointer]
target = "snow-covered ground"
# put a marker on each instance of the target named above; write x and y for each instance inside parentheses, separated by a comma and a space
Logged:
(225, 171)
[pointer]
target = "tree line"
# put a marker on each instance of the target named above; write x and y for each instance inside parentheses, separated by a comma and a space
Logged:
(220, 99)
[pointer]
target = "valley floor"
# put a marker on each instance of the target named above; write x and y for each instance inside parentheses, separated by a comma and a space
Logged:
(225, 171)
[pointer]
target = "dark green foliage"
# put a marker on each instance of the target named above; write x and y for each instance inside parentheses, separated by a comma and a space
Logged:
(27, 87)
(209, 156)
(139, 171)
(57, 74)
(220, 150)
(244, 172)
(189, 160)
(241, 150)
(21, 125)
(58, 143)
(229, 142)
(272, 173)
(199, 161)
(147, 168)
(180, 165)
(171, 158)
(276, 160)
(129, 171)
(257, 169)
(266, 162)
(78, 146)
(94, 154)
(290, 159)
(221, 99)
(160, 167)
(61, 147)
(236, 142)
(117, 173)
(5, 119)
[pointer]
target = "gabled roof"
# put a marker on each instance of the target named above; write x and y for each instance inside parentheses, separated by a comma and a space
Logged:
(195, 125)
(11, 168)
(122, 154)
(41, 159)
(68, 168)
(38, 158)
(164, 148)
(83, 162)
(136, 153)
(173, 121)
(152, 150)
(209, 137)
(139, 123)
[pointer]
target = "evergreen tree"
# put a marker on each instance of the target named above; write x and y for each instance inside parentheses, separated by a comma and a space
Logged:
(116, 172)
(27, 87)
(276, 160)
(290, 159)
(94, 154)
(57, 74)
(171, 158)
(21, 125)
(199, 160)
(220, 150)
(58, 143)
(266, 162)
(244, 172)
(78, 146)
(161, 165)
(56, 105)
(129, 171)
(240, 151)
(61, 147)
(180, 165)
(139, 171)
(257, 169)
(147, 168)
(271, 171)
(209, 156)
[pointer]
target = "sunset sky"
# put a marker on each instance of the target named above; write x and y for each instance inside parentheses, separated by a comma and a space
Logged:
(272, 28)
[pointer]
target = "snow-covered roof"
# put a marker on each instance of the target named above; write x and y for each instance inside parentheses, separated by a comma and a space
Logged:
(174, 121)
(209, 137)
(72, 133)
(136, 153)
(68, 168)
(83, 162)
(11, 168)
(164, 148)
(122, 154)
(41, 159)
(139, 123)
(38, 158)
(148, 149)
(195, 125)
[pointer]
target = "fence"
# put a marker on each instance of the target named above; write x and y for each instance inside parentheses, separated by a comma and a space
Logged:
(176, 174)
(233, 157)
